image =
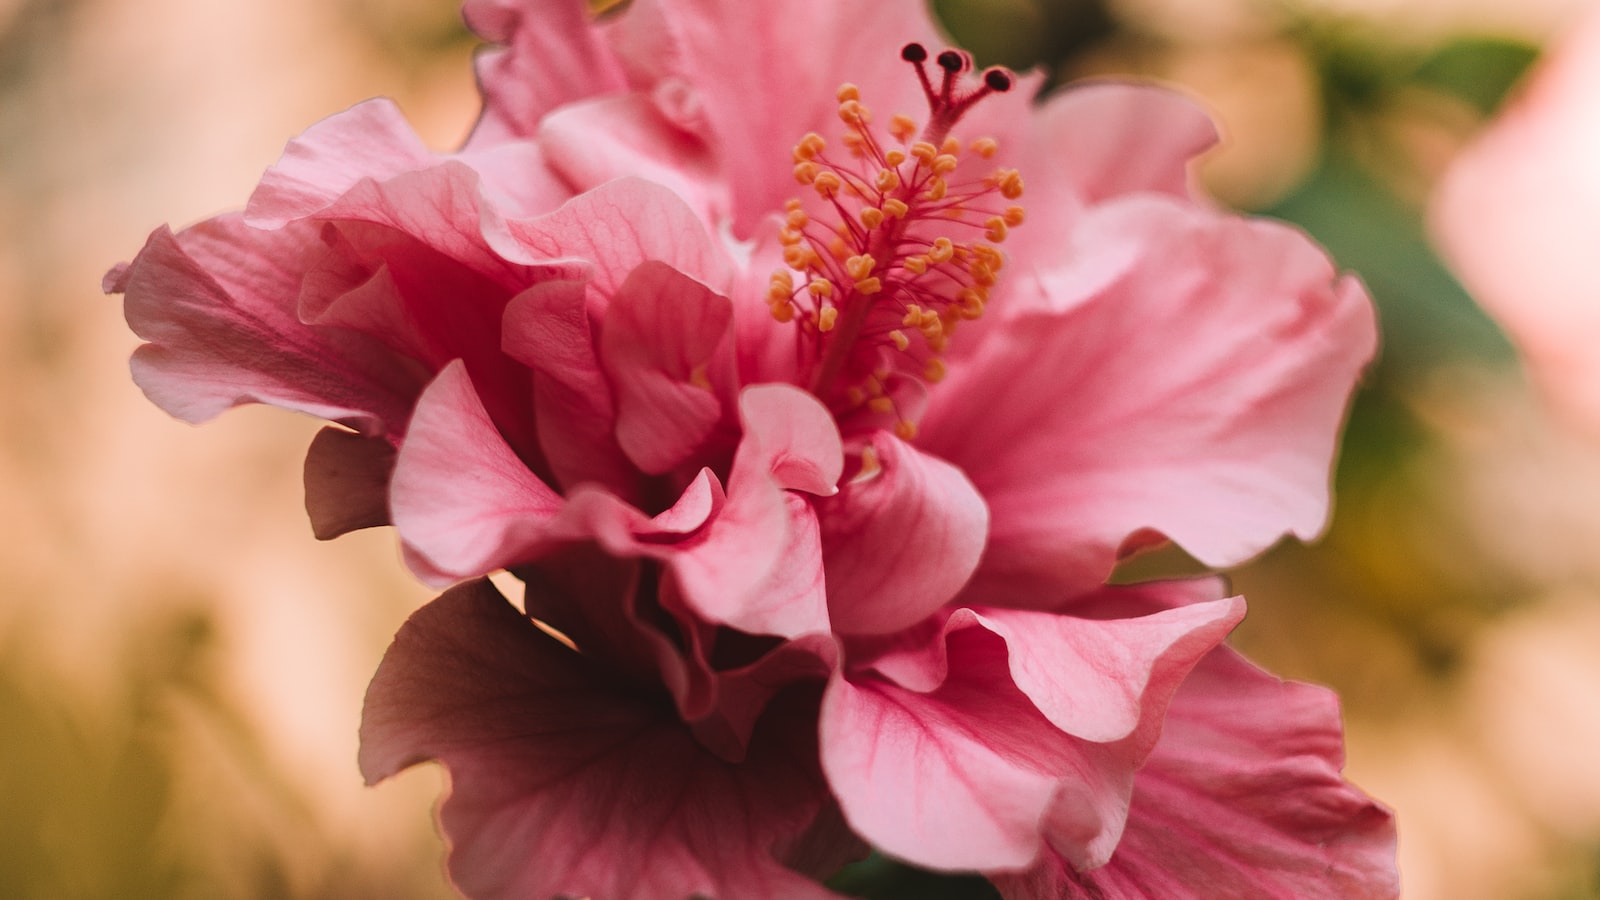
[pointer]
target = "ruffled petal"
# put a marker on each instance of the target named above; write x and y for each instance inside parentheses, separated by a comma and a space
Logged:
(566, 782)
(621, 224)
(369, 141)
(551, 54)
(1198, 394)
(900, 542)
(1241, 798)
(216, 304)
(759, 566)
(335, 169)
(753, 97)
(662, 334)
(942, 755)
(1108, 139)
(462, 500)
(547, 328)
(596, 141)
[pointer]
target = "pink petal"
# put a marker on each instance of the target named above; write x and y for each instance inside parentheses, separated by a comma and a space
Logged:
(566, 782)
(370, 140)
(1009, 732)
(1241, 798)
(621, 224)
(551, 55)
(428, 306)
(900, 543)
(216, 304)
(466, 504)
(661, 338)
(724, 89)
(1199, 395)
(963, 778)
(354, 165)
(547, 328)
(759, 567)
(596, 141)
(347, 482)
(460, 497)
(1106, 139)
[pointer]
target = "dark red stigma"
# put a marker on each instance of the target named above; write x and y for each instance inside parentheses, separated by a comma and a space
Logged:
(945, 103)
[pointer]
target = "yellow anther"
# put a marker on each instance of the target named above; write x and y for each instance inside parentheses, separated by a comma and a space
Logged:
(789, 237)
(901, 342)
(826, 317)
(905, 429)
(781, 288)
(941, 251)
(699, 378)
(855, 397)
(870, 465)
(985, 147)
(840, 250)
(792, 204)
(1014, 216)
(826, 183)
(880, 405)
(854, 112)
(871, 217)
(938, 342)
(869, 285)
(855, 143)
(935, 191)
(924, 151)
(1009, 181)
(934, 371)
(847, 91)
(913, 316)
(887, 180)
(917, 264)
(895, 209)
(996, 228)
(820, 287)
(894, 157)
(783, 312)
(809, 146)
(806, 172)
(944, 164)
(902, 127)
(989, 256)
(799, 257)
(970, 302)
(929, 319)
(797, 218)
(860, 267)
(981, 274)
(950, 146)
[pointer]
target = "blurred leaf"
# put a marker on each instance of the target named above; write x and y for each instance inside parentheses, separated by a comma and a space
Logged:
(880, 878)
(1479, 70)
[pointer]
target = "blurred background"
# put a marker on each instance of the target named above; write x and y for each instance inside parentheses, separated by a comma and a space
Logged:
(181, 666)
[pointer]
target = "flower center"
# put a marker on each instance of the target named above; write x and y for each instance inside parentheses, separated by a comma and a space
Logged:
(901, 248)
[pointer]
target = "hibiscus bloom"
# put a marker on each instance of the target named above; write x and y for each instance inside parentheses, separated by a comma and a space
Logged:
(813, 449)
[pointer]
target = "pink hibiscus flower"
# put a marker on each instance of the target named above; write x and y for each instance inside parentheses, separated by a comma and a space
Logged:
(813, 450)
